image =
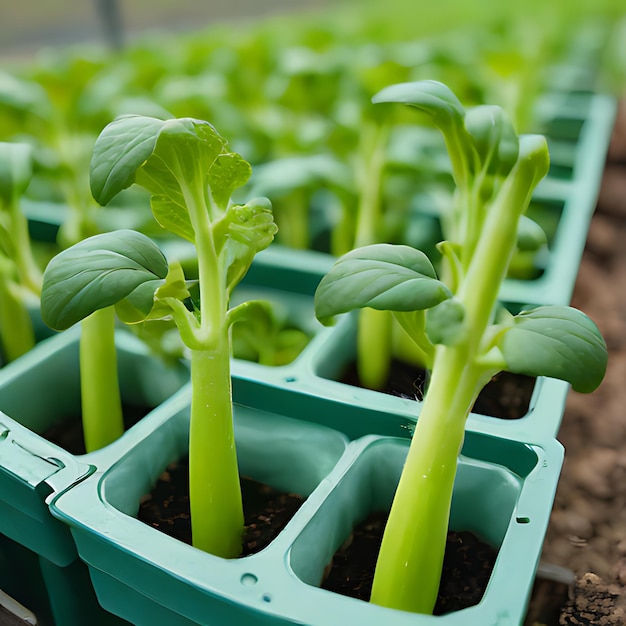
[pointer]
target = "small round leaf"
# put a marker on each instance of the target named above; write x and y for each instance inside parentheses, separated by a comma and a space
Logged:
(381, 276)
(558, 342)
(98, 272)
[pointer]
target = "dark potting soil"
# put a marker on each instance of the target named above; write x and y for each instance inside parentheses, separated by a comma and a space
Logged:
(594, 602)
(266, 510)
(68, 432)
(506, 396)
(467, 566)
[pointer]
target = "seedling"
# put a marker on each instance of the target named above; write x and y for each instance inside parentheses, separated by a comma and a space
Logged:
(47, 110)
(86, 283)
(20, 276)
(463, 336)
(268, 336)
(191, 175)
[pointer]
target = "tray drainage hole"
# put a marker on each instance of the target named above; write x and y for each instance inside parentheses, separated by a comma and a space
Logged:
(266, 597)
(249, 579)
(290, 379)
(522, 520)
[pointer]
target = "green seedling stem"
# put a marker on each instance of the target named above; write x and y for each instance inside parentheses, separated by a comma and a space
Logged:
(101, 404)
(190, 172)
(374, 328)
(20, 276)
(463, 335)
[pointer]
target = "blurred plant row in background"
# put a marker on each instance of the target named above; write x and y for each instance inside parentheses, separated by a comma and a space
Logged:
(293, 95)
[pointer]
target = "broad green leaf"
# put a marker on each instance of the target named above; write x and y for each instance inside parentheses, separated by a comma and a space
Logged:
(16, 170)
(558, 342)
(176, 173)
(447, 113)
(172, 216)
(381, 276)
(122, 147)
(98, 272)
(430, 96)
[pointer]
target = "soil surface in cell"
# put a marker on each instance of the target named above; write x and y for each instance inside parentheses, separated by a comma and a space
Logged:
(506, 396)
(266, 510)
(467, 566)
(68, 432)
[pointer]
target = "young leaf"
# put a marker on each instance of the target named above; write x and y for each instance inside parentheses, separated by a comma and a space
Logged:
(380, 276)
(243, 231)
(98, 272)
(447, 113)
(556, 341)
(119, 151)
(430, 96)
(177, 172)
(267, 336)
(171, 216)
(228, 172)
(136, 306)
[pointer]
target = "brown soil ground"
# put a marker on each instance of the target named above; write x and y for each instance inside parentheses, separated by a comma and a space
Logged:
(587, 532)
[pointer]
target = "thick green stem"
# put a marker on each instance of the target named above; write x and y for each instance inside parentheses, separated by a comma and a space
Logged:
(408, 571)
(293, 220)
(409, 565)
(369, 178)
(343, 232)
(374, 347)
(80, 221)
(374, 327)
(490, 261)
(29, 272)
(16, 328)
(100, 394)
(211, 278)
(214, 490)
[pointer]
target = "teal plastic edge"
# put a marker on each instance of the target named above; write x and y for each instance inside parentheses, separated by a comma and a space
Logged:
(275, 594)
(314, 374)
(32, 470)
